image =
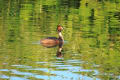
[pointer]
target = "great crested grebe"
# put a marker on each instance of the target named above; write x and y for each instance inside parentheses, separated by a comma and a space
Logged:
(53, 41)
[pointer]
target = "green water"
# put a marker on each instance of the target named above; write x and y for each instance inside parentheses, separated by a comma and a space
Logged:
(91, 32)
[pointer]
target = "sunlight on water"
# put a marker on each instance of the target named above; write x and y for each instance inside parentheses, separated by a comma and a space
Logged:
(91, 40)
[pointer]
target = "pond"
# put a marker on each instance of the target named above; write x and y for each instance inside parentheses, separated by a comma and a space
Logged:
(91, 50)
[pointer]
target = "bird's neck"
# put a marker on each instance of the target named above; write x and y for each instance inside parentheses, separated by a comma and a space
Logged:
(60, 36)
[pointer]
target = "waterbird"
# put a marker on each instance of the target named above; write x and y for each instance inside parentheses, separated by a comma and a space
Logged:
(53, 41)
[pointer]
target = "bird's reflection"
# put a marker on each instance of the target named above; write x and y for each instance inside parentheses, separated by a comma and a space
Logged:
(59, 51)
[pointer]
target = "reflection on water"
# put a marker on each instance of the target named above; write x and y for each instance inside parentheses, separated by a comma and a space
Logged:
(62, 71)
(91, 32)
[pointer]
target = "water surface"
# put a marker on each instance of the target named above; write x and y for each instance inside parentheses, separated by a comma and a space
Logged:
(91, 32)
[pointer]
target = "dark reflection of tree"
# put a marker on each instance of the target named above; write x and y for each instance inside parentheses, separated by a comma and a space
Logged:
(71, 4)
(117, 15)
(11, 35)
(92, 17)
(114, 32)
(100, 0)
(111, 30)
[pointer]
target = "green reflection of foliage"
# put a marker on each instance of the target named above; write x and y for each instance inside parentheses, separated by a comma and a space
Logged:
(92, 30)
